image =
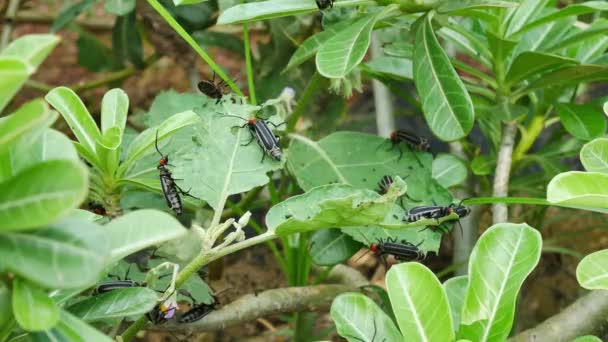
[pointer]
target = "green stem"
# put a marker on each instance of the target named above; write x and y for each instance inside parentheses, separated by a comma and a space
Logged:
(193, 44)
(250, 83)
(313, 85)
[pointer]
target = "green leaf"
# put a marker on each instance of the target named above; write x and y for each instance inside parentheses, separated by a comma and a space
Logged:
(262, 10)
(585, 190)
(599, 27)
(571, 10)
(70, 13)
(330, 247)
(462, 8)
(143, 144)
(115, 304)
(31, 49)
(449, 170)
(13, 74)
(582, 121)
(236, 168)
(587, 338)
(126, 41)
(447, 106)
(114, 109)
(592, 271)
(34, 310)
(69, 254)
(358, 318)
(483, 165)
(93, 54)
(570, 75)
(69, 105)
(119, 7)
(527, 10)
(340, 54)
(594, 155)
(28, 116)
(140, 229)
(392, 67)
(532, 63)
(419, 302)
(71, 329)
(455, 289)
(311, 45)
(503, 257)
(41, 194)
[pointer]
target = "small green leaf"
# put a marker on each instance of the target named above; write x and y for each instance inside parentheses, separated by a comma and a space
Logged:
(419, 302)
(532, 63)
(588, 190)
(483, 165)
(31, 49)
(449, 170)
(331, 246)
(358, 318)
(594, 155)
(34, 310)
(93, 54)
(392, 67)
(13, 74)
(28, 116)
(70, 13)
(70, 254)
(587, 338)
(526, 10)
(598, 28)
(69, 105)
(582, 121)
(41, 194)
(119, 7)
(115, 304)
(71, 329)
(340, 54)
(455, 289)
(140, 229)
(126, 40)
(6, 310)
(464, 7)
(592, 271)
(262, 10)
(570, 75)
(502, 259)
(447, 106)
(114, 109)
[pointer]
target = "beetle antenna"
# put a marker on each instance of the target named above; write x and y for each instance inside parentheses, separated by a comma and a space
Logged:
(234, 116)
(156, 145)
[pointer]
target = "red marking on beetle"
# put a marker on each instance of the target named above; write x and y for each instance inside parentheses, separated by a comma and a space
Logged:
(393, 136)
(163, 161)
(373, 247)
(251, 121)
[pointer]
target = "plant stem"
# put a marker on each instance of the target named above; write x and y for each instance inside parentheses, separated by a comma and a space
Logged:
(7, 30)
(385, 121)
(193, 44)
(250, 83)
(313, 85)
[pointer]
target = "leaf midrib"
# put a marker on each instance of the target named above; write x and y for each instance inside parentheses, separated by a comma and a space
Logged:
(323, 155)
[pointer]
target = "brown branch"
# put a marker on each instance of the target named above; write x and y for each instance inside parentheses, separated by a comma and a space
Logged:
(586, 316)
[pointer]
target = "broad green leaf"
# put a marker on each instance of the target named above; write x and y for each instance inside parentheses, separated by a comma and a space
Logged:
(358, 318)
(455, 289)
(446, 103)
(6, 310)
(594, 155)
(115, 304)
(70, 13)
(33, 309)
(526, 10)
(13, 73)
(599, 27)
(419, 302)
(93, 53)
(532, 63)
(331, 246)
(119, 7)
(76, 115)
(126, 40)
(114, 109)
(68, 254)
(71, 328)
(570, 75)
(500, 262)
(582, 121)
(262, 10)
(391, 67)
(144, 143)
(28, 116)
(572, 10)
(140, 229)
(466, 6)
(221, 165)
(449, 170)
(592, 271)
(587, 338)
(41, 194)
(585, 190)
(311, 45)
(31, 49)
(340, 54)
